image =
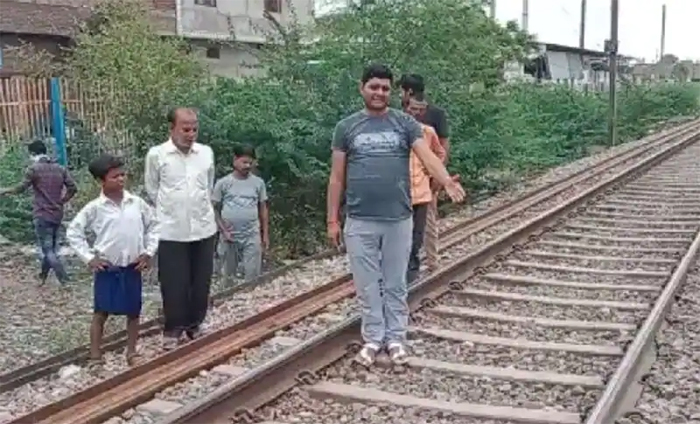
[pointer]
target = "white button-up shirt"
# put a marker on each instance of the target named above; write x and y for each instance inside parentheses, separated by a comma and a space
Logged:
(180, 185)
(122, 231)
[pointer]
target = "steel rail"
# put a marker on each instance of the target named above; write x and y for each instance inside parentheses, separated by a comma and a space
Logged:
(493, 216)
(654, 140)
(609, 404)
(116, 340)
(498, 215)
(139, 384)
(123, 391)
(237, 399)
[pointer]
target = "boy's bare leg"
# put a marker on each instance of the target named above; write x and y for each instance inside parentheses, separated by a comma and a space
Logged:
(96, 331)
(132, 336)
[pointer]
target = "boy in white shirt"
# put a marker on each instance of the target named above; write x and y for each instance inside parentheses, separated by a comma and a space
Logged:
(126, 238)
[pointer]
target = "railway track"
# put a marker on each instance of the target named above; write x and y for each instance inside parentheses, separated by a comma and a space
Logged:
(137, 385)
(452, 236)
(552, 330)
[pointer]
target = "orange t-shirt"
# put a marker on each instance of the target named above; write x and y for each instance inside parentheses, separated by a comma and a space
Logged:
(420, 179)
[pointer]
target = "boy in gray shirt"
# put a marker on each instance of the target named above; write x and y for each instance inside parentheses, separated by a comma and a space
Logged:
(240, 205)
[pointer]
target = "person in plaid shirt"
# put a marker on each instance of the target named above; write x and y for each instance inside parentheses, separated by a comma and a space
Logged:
(48, 180)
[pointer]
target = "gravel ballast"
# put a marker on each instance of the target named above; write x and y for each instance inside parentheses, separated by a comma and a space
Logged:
(671, 392)
(240, 306)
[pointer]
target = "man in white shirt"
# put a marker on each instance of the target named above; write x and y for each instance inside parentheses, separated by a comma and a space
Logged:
(179, 178)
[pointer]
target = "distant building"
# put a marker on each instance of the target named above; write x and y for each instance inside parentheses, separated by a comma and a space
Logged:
(668, 68)
(50, 25)
(207, 21)
(565, 64)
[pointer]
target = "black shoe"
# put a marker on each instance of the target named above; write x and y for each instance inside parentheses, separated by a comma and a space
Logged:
(194, 333)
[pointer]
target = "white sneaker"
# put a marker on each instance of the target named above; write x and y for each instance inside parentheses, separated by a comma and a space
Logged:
(367, 354)
(397, 353)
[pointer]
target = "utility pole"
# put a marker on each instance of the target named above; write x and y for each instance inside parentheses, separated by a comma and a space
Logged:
(582, 28)
(524, 22)
(663, 32)
(611, 47)
(493, 9)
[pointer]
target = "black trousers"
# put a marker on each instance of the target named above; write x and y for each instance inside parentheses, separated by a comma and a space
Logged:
(420, 215)
(184, 271)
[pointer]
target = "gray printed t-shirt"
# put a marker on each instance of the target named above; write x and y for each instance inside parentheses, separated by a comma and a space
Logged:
(240, 199)
(377, 176)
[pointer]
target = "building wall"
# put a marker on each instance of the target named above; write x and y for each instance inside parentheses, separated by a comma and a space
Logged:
(42, 43)
(244, 19)
(233, 61)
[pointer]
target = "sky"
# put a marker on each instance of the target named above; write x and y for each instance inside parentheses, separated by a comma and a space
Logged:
(557, 21)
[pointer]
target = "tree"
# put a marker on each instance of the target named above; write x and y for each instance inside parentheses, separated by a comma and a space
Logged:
(312, 81)
(136, 73)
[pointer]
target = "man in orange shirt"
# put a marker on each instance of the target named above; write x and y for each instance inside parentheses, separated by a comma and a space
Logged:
(421, 192)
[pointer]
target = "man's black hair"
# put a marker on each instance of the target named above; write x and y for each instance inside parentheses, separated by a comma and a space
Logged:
(377, 71)
(418, 96)
(171, 116)
(100, 167)
(37, 147)
(240, 150)
(412, 82)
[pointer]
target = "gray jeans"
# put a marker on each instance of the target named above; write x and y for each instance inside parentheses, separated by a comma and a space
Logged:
(378, 252)
(246, 251)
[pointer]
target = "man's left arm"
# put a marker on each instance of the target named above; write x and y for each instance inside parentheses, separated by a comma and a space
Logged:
(435, 144)
(264, 216)
(442, 129)
(211, 173)
(71, 187)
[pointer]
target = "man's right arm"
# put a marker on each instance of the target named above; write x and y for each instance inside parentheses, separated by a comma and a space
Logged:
(151, 178)
(336, 181)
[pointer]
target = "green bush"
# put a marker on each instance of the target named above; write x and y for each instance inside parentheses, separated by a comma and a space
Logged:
(15, 211)
(500, 133)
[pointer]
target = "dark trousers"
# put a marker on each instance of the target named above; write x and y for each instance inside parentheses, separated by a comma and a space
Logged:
(420, 214)
(184, 271)
(47, 239)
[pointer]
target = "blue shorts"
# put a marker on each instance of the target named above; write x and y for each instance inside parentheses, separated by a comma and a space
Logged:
(117, 291)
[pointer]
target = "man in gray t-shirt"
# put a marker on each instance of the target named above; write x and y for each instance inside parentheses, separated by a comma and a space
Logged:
(370, 165)
(240, 202)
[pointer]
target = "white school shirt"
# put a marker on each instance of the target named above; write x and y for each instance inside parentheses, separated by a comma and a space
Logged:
(179, 185)
(122, 232)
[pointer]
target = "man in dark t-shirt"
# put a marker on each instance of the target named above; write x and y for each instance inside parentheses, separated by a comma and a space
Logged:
(370, 169)
(434, 116)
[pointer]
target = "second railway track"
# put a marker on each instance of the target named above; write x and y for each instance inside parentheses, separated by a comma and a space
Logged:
(138, 385)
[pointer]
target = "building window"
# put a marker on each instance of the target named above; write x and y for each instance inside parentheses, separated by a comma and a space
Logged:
(209, 3)
(213, 53)
(273, 6)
